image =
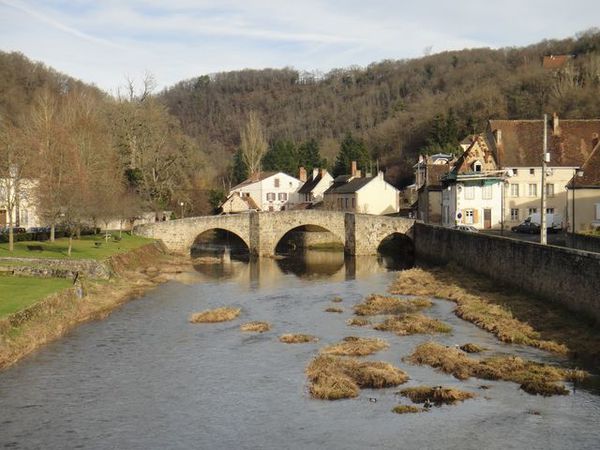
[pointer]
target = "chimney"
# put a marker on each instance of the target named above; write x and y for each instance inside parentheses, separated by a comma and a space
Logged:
(353, 171)
(555, 125)
(302, 174)
(323, 172)
(498, 136)
(357, 174)
(315, 172)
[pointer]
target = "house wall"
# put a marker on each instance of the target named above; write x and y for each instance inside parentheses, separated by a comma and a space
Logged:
(259, 190)
(341, 202)
(378, 197)
(321, 187)
(455, 200)
(559, 177)
(26, 210)
(565, 276)
(587, 208)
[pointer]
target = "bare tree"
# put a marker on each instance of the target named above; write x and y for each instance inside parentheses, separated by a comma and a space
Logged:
(253, 143)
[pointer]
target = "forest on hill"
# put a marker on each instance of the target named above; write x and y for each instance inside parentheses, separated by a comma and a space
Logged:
(397, 108)
(183, 144)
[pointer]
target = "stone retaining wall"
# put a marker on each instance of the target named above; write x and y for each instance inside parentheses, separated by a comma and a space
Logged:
(584, 242)
(566, 276)
(62, 268)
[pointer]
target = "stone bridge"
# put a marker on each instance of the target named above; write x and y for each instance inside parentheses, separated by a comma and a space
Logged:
(361, 234)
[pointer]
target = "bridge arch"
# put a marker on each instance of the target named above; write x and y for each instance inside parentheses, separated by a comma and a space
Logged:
(306, 236)
(215, 239)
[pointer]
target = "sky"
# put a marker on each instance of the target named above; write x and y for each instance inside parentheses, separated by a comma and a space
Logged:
(105, 42)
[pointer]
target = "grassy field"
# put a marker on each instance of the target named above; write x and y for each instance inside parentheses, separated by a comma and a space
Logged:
(17, 293)
(84, 248)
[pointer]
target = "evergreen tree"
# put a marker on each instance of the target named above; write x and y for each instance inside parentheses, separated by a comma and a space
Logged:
(239, 169)
(351, 149)
(282, 156)
(309, 156)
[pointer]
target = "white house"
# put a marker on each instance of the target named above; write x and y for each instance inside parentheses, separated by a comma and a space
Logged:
(368, 195)
(24, 214)
(270, 191)
(312, 191)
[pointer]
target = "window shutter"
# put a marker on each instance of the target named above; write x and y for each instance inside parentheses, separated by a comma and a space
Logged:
(475, 216)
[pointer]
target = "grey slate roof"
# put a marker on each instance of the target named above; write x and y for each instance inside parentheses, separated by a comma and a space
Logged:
(310, 184)
(349, 187)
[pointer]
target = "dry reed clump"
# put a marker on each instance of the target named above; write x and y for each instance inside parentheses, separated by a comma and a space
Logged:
(356, 346)
(256, 327)
(358, 322)
(376, 304)
(471, 348)
(488, 309)
(534, 378)
(333, 378)
(407, 324)
(337, 299)
(407, 409)
(437, 395)
(223, 314)
(334, 310)
(297, 338)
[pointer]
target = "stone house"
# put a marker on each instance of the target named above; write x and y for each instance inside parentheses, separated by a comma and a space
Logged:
(367, 195)
(270, 191)
(429, 172)
(237, 204)
(584, 194)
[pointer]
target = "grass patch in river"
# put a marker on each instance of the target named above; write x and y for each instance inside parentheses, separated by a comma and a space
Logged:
(355, 346)
(534, 378)
(223, 314)
(376, 304)
(437, 395)
(334, 310)
(358, 322)
(297, 338)
(407, 409)
(337, 299)
(333, 378)
(408, 324)
(471, 348)
(256, 327)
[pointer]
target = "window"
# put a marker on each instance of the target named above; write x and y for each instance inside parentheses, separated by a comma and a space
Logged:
(469, 192)
(533, 190)
(487, 192)
(476, 166)
(282, 196)
(549, 210)
(515, 172)
(346, 202)
(514, 190)
(514, 214)
(353, 203)
(340, 200)
(549, 190)
(531, 211)
(276, 181)
(270, 196)
(531, 171)
(245, 194)
(469, 216)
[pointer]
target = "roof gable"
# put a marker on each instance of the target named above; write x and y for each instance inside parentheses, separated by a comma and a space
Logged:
(591, 172)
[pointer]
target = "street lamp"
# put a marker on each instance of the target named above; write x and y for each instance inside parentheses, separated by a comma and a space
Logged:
(181, 204)
(576, 173)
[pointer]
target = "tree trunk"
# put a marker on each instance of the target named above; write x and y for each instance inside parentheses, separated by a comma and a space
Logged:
(70, 244)
(11, 236)
(52, 232)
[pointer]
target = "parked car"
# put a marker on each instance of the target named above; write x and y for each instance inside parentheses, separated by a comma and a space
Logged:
(526, 227)
(16, 230)
(467, 228)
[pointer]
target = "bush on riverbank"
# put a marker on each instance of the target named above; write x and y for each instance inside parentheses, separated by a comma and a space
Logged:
(355, 346)
(376, 304)
(223, 314)
(534, 378)
(333, 378)
(408, 324)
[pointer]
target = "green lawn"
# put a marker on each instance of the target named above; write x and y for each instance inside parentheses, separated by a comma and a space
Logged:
(83, 248)
(17, 293)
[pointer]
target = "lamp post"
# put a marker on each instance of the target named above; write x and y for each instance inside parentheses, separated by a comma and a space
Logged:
(181, 204)
(576, 173)
(545, 160)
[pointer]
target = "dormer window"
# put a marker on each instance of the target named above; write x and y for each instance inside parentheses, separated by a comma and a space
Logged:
(477, 166)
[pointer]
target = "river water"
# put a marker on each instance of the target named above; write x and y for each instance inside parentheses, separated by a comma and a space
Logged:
(146, 378)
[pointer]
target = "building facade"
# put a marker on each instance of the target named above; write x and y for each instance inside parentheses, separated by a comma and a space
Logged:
(270, 191)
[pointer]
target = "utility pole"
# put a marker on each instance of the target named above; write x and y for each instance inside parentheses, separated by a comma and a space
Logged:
(545, 160)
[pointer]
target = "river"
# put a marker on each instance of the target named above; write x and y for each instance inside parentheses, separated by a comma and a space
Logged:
(146, 378)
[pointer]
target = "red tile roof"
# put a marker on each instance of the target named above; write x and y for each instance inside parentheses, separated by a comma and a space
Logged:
(554, 62)
(521, 142)
(591, 172)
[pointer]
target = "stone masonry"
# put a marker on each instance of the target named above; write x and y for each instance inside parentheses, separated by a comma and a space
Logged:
(361, 234)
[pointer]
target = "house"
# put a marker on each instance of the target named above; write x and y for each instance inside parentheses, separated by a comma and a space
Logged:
(472, 191)
(584, 194)
(368, 195)
(312, 191)
(517, 148)
(237, 204)
(270, 191)
(429, 172)
(24, 213)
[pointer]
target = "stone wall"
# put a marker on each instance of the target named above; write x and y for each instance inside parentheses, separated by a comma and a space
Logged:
(566, 276)
(364, 232)
(584, 242)
(62, 268)
(306, 239)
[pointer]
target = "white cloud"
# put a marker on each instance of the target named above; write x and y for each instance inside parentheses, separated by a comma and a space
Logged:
(103, 41)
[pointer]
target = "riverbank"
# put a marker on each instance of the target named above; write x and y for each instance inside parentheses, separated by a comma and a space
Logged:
(135, 272)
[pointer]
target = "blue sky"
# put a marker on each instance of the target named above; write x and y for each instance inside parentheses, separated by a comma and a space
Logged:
(105, 41)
